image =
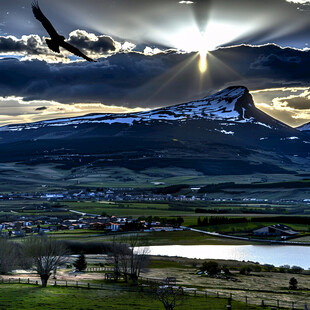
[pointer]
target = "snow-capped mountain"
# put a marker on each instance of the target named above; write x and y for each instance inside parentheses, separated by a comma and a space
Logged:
(233, 104)
(225, 128)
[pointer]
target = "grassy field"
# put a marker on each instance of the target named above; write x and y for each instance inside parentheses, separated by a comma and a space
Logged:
(188, 238)
(248, 227)
(151, 238)
(32, 297)
(126, 209)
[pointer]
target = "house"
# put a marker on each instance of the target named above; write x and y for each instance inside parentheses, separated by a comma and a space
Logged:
(115, 226)
(97, 226)
(275, 230)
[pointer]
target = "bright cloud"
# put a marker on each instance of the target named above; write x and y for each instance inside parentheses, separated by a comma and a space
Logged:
(16, 110)
(292, 104)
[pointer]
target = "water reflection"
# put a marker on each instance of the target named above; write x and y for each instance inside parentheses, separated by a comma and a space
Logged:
(275, 255)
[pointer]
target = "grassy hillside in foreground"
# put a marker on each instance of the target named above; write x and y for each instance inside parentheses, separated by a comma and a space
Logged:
(32, 297)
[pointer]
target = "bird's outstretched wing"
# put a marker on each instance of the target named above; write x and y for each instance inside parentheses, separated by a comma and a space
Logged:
(45, 22)
(75, 51)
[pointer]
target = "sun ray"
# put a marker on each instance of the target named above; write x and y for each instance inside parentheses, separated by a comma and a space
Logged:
(203, 61)
(178, 70)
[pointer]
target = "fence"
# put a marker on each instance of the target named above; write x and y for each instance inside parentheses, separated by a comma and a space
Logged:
(270, 303)
(96, 269)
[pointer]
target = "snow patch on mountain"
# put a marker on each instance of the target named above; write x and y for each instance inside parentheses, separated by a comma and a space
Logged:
(290, 138)
(225, 132)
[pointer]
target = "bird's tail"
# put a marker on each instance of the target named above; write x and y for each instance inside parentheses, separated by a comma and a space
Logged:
(52, 45)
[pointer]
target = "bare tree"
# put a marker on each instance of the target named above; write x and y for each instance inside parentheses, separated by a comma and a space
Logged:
(130, 256)
(138, 256)
(46, 255)
(168, 295)
(9, 253)
(118, 250)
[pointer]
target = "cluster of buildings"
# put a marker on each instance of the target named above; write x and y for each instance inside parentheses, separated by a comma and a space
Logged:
(107, 195)
(45, 224)
(131, 194)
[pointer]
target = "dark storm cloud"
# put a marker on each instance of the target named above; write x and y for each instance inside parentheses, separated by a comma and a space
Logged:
(136, 80)
(30, 44)
(34, 45)
(299, 103)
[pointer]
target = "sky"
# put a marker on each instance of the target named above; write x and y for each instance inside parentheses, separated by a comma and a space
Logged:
(153, 53)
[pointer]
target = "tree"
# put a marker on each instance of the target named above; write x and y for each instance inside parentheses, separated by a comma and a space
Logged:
(137, 257)
(9, 254)
(296, 269)
(118, 250)
(170, 297)
(80, 263)
(212, 268)
(46, 255)
(129, 257)
(293, 284)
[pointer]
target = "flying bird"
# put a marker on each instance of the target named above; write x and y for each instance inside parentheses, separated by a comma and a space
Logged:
(56, 40)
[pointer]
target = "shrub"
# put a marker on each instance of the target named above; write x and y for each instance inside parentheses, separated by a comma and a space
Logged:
(293, 284)
(296, 269)
(212, 268)
(246, 270)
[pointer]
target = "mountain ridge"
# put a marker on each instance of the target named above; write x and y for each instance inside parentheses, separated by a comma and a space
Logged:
(231, 104)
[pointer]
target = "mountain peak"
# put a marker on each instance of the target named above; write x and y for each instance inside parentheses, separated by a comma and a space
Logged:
(230, 91)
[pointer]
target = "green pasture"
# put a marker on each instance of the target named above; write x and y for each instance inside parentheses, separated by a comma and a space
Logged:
(25, 297)
(248, 227)
(125, 209)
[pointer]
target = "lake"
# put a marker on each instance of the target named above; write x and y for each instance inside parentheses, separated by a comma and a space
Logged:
(274, 254)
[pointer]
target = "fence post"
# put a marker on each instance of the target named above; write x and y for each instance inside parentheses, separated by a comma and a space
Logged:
(77, 284)
(28, 281)
(87, 285)
(55, 283)
(246, 300)
(217, 295)
(278, 304)
(9, 280)
(66, 283)
(19, 280)
(206, 293)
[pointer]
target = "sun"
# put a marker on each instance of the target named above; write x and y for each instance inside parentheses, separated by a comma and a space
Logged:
(216, 34)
